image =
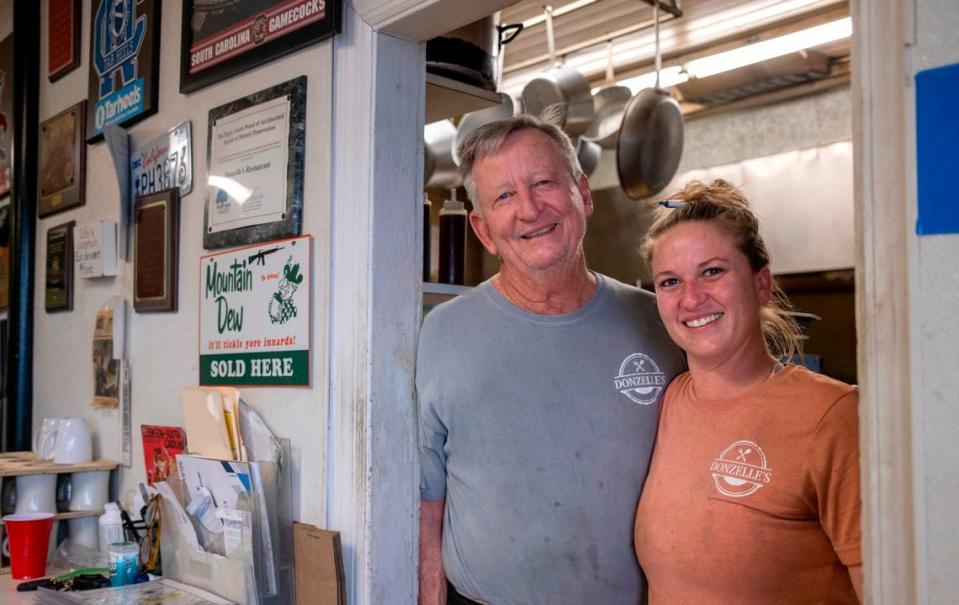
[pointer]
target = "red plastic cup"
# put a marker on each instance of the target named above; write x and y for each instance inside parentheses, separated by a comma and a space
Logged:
(29, 539)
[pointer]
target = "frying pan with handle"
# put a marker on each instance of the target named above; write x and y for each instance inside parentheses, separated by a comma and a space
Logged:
(650, 142)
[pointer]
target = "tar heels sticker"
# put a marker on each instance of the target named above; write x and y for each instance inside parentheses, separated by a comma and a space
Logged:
(123, 63)
(640, 379)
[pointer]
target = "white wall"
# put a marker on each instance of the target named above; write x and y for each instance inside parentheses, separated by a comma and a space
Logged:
(934, 292)
(162, 347)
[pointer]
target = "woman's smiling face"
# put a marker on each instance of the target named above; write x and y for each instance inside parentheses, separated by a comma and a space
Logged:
(708, 296)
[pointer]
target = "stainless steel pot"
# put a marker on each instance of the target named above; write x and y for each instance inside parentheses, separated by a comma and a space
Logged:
(475, 119)
(563, 88)
(469, 53)
(610, 105)
(588, 152)
(439, 169)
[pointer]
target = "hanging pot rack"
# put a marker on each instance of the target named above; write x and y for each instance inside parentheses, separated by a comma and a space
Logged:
(672, 7)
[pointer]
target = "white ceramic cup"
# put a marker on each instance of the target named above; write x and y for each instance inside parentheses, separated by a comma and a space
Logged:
(36, 494)
(73, 442)
(85, 531)
(44, 438)
(90, 490)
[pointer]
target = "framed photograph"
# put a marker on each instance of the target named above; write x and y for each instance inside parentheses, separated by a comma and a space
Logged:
(156, 252)
(255, 155)
(124, 63)
(58, 290)
(6, 114)
(63, 157)
(226, 37)
(63, 37)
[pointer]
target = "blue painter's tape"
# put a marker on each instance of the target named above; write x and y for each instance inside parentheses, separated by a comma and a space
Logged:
(937, 149)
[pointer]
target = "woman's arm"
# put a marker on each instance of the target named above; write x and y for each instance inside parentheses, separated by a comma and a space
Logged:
(855, 574)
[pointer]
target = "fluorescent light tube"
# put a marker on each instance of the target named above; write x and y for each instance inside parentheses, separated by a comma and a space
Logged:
(769, 49)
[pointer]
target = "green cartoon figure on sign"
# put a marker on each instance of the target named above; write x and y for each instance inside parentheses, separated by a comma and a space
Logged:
(281, 305)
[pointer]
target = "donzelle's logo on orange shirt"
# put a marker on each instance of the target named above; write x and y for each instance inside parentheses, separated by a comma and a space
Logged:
(741, 470)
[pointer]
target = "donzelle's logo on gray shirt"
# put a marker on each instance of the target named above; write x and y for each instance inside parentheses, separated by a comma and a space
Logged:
(640, 379)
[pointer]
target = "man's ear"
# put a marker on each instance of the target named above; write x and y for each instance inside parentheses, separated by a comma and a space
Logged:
(583, 185)
(481, 229)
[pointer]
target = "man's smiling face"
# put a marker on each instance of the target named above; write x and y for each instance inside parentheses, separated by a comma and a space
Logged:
(534, 213)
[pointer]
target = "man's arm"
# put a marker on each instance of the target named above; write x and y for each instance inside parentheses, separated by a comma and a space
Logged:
(432, 574)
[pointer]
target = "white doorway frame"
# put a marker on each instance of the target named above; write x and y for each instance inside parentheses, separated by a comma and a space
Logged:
(885, 267)
(375, 291)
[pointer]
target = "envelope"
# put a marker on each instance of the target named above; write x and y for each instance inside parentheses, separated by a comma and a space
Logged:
(206, 430)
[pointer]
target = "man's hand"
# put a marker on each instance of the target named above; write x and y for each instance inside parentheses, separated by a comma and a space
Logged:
(432, 574)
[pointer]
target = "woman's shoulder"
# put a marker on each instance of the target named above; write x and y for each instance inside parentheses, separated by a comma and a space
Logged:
(798, 377)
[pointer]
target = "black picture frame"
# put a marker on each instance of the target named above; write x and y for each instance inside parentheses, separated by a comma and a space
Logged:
(128, 100)
(58, 282)
(236, 36)
(62, 169)
(156, 257)
(291, 223)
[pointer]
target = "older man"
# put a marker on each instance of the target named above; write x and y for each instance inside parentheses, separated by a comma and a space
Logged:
(538, 393)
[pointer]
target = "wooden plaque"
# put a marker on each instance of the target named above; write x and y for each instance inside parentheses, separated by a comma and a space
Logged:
(63, 157)
(63, 37)
(156, 255)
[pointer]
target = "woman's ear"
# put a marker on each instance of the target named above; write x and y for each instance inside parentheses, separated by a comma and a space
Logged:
(764, 285)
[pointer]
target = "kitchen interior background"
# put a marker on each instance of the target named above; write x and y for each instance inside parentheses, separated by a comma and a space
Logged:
(780, 127)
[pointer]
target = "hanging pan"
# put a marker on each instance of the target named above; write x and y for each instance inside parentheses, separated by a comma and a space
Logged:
(609, 103)
(651, 138)
(563, 87)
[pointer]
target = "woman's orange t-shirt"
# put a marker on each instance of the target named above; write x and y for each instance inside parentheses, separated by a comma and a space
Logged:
(754, 499)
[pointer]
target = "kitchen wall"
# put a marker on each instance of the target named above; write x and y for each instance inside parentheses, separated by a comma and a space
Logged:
(793, 158)
(934, 298)
(162, 348)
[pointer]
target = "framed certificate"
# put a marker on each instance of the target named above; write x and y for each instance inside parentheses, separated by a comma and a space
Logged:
(156, 252)
(58, 285)
(255, 155)
(222, 38)
(63, 157)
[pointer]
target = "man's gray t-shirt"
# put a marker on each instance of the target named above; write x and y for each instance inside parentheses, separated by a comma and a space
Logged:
(538, 431)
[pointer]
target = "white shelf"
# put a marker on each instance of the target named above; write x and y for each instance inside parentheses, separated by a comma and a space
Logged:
(446, 98)
(434, 294)
(448, 289)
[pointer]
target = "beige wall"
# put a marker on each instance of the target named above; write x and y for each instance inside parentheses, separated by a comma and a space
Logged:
(162, 347)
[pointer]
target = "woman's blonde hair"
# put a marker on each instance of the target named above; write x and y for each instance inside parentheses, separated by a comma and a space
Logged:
(725, 205)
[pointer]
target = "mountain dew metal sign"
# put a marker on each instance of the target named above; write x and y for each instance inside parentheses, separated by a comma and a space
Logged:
(255, 315)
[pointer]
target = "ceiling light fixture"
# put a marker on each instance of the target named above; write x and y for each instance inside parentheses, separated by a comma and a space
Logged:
(745, 55)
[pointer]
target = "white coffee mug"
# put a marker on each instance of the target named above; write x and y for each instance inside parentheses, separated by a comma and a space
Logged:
(36, 494)
(90, 490)
(85, 531)
(73, 442)
(44, 438)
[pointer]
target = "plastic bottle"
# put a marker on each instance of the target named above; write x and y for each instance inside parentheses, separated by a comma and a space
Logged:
(427, 237)
(123, 559)
(452, 243)
(110, 526)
